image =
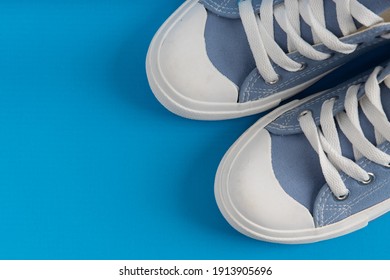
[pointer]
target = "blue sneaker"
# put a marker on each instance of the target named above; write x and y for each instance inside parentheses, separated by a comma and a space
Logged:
(312, 169)
(218, 59)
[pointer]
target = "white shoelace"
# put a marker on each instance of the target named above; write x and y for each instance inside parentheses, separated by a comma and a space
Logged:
(260, 31)
(326, 143)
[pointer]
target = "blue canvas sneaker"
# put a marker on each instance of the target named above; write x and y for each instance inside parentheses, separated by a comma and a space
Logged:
(313, 169)
(221, 59)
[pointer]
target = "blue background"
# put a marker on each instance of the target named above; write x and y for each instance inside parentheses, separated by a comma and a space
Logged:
(93, 167)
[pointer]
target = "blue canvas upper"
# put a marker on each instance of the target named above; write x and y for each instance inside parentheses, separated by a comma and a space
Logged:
(228, 48)
(296, 164)
(229, 8)
(328, 210)
(254, 87)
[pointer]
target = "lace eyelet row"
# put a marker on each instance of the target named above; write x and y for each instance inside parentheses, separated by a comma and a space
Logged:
(370, 179)
(277, 80)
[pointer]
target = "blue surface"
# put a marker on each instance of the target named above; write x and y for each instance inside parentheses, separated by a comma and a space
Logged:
(93, 167)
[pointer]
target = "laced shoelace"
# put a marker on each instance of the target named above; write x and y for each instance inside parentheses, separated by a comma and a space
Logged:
(260, 31)
(326, 143)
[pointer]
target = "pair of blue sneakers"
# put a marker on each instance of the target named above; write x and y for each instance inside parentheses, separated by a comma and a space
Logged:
(312, 169)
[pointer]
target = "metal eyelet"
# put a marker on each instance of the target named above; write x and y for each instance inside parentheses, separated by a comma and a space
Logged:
(369, 180)
(271, 83)
(303, 67)
(304, 113)
(341, 197)
(387, 166)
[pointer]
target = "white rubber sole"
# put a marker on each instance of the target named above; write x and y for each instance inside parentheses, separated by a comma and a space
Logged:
(183, 106)
(256, 231)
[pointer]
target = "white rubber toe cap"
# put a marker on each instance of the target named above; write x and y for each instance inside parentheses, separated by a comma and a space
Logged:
(185, 65)
(250, 196)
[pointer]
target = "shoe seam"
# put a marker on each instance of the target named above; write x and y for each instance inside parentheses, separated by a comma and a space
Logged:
(323, 200)
(267, 92)
(321, 99)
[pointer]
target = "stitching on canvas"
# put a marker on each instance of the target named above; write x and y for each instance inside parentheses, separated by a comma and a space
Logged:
(320, 99)
(355, 201)
(266, 92)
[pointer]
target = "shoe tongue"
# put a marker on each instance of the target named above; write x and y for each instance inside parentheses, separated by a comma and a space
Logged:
(332, 24)
(386, 100)
(229, 9)
(367, 127)
(377, 7)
